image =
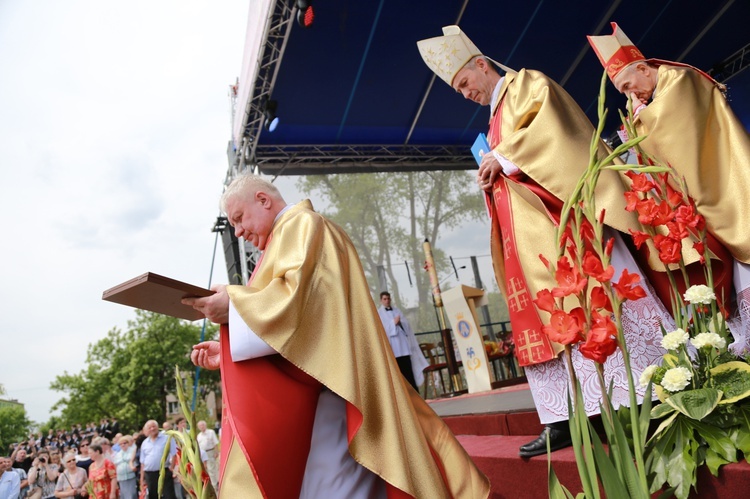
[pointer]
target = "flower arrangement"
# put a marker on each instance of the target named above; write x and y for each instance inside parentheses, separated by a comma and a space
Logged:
(703, 387)
(584, 277)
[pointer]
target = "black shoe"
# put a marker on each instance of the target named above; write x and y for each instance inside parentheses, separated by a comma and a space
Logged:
(559, 438)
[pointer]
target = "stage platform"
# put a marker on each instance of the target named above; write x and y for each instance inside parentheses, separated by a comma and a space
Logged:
(493, 425)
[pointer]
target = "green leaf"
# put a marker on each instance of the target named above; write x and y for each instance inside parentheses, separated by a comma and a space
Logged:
(732, 378)
(695, 404)
(661, 410)
(718, 440)
(714, 462)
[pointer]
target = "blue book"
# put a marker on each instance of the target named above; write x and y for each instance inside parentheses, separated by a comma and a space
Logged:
(480, 148)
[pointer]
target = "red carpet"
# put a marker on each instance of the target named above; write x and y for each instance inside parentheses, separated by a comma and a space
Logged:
(493, 425)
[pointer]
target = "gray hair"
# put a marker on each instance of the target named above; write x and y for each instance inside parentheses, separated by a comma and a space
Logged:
(245, 186)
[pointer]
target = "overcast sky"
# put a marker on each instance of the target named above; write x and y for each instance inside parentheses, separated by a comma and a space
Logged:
(114, 120)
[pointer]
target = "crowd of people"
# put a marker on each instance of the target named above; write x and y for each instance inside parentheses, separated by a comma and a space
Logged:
(99, 461)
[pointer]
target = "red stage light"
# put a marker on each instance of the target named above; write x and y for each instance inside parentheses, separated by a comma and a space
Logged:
(309, 17)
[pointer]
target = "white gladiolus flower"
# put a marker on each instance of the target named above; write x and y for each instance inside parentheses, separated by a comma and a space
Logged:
(699, 293)
(673, 340)
(676, 379)
(708, 340)
(647, 374)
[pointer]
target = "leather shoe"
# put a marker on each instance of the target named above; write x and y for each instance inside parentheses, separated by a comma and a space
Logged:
(559, 438)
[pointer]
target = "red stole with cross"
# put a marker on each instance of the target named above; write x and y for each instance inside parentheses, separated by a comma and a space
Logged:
(531, 344)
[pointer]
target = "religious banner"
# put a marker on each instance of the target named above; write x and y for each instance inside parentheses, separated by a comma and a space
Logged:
(461, 306)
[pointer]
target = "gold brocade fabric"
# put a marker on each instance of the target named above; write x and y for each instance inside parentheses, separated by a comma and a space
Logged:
(691, 127)
(309, 300)
(548, 137)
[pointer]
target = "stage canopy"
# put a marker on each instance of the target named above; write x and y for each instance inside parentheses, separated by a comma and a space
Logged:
(353, 95)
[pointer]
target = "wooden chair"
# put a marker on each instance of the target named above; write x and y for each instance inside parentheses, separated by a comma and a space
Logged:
(432, 354)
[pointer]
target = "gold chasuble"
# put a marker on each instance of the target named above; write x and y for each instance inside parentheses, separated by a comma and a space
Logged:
(308, 299)
(691, 127)
(538, 127)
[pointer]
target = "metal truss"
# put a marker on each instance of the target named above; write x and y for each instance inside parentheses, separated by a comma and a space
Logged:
(360, 158)
(272, 51)
(732, 65)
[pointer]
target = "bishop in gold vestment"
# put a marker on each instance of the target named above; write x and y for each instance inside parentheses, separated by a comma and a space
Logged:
(309, 304)
(540, 140)
(689, 125)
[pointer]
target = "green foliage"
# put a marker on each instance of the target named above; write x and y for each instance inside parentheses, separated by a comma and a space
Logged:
(14, 425)
(389, 215)
(128, 374)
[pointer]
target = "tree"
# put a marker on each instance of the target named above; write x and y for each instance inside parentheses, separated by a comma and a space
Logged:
(14, 425)
(389, 215)
(128, 374)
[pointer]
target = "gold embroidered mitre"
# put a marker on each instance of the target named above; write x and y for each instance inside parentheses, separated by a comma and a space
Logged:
(446, 55)
(615, 51)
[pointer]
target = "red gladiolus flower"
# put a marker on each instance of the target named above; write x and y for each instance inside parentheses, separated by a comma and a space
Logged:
(569, 280)
(600, 299)
(673, 196)
(545, 262)
(639, 238)
(701, 249)
(545, 301)
(641, 182)
(563, 328)
(601, 216)
(646, 209)
(601, 340)
(677, 230)
(189, 468)
(670, 250)
(663, 214)
(609, 247)
(592, 266)
(627, 288)
(587, 230)
(631, 199)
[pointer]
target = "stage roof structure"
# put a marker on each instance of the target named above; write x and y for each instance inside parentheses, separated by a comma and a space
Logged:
(353, 95)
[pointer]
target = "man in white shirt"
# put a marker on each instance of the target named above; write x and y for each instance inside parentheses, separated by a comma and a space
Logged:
(208, 442)
(10, 481)
(410, 360)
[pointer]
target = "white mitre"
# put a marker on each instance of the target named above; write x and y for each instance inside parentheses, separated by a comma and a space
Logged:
(446, 55)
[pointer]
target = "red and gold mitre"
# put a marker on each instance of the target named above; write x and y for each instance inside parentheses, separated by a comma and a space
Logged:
(615, 51)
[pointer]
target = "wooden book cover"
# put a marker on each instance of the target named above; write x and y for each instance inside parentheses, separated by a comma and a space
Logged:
(157, 294)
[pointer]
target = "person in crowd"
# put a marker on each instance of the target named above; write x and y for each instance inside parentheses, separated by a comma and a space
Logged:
(106, 447)
(411, 361)
(126, 477)
(343, 422)
(21, 463)
(114, 427)
(116, 442)
(539, 146)
(22, 459)
(102, 474)
(55, 456)
(151, 453)
(209, 442)
(42, 477)
(135, 461)
(10, 481)
(83, 460)
(690, 126)
(72, 481)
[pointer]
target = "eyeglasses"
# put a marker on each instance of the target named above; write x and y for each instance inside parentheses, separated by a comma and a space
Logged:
(70, 461)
